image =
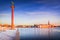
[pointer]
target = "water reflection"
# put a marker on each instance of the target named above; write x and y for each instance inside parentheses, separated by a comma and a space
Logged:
(39, 33)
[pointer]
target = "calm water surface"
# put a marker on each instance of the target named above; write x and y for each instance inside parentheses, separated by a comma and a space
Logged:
(39, 33)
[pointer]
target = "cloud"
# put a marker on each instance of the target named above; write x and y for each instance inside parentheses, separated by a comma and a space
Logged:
(56, 7)
(47, 1)
(4, 15)
(41, 13)
(35, 13)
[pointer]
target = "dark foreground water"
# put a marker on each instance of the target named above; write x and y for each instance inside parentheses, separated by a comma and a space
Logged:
(39, 33)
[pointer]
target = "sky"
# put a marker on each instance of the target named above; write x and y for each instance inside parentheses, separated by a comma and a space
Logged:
(30, 11)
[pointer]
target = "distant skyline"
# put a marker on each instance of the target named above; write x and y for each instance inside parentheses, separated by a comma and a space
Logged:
(31, 11)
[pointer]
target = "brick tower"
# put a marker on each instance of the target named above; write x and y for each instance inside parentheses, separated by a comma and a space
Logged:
(12, 16)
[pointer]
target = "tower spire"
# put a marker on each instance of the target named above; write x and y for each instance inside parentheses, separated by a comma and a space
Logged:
(48, 23)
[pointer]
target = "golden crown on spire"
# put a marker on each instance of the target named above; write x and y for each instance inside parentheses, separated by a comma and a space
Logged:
(12, 2)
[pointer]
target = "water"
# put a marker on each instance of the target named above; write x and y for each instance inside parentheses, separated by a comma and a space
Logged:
(39, 33)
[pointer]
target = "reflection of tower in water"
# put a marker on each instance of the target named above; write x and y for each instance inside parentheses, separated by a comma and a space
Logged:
(49, 29)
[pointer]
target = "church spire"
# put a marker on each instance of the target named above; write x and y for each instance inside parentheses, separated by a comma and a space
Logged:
(48, 23)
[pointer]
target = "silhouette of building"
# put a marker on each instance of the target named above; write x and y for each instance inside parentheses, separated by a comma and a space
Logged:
(45, 25)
